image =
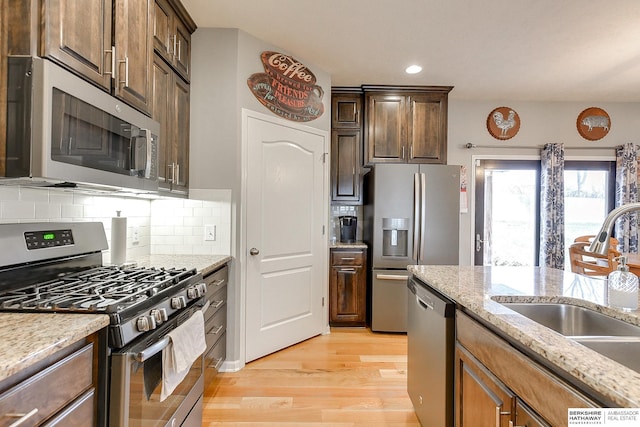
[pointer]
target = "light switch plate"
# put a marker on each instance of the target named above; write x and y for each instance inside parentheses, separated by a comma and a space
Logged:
(210, 232)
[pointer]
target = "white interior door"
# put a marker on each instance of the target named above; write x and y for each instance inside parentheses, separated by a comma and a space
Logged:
(286, 245)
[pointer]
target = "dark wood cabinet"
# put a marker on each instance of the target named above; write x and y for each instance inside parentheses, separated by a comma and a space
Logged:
(481, 398)
(348, 287)
(346, 146)
(494, 380)
(171, 109)
(171, 94)
(406, 124)
(133, 52)
(79, 36)
(60, 390)
(172, 36)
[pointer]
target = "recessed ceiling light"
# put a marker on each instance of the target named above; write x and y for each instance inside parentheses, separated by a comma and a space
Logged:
(413, 69)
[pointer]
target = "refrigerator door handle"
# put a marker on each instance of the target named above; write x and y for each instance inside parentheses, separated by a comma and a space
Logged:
(423, 215)
(416, 215)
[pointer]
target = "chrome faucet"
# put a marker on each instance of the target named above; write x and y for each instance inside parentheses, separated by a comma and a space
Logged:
(600, 243)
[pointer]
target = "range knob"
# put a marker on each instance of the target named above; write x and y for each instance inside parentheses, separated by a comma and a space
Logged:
(146, 323)
(178, 302)
(160, 315)
(193, 292)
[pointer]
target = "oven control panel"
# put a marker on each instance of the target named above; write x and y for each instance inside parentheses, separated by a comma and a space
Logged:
(48, 239)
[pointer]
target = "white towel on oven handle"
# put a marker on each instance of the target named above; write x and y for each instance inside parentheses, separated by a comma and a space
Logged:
(186, 343)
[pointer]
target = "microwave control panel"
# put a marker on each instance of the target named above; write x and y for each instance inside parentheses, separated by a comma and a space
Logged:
(48, 239)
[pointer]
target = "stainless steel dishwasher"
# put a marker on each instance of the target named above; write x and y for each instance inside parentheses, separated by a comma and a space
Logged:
(430, 337)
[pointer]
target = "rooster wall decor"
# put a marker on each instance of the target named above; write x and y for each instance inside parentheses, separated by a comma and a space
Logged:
(503, 123)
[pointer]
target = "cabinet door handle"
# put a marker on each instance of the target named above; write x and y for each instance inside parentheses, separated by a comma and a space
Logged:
(179, 50)
(112, 52)
(126, 71)
(217, 304)
(347, 269)
(23, 417)
(218, 282)
(499, 413)
(403, 152)
(348, 259)
(172, 166)
(217, 331)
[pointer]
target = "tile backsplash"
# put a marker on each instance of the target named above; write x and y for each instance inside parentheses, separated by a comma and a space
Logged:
(343, 210)
(160, 226)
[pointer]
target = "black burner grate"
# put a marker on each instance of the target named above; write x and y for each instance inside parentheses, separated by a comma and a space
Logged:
(102, 289)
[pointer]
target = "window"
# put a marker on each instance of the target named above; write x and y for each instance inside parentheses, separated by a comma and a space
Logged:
(508, 214)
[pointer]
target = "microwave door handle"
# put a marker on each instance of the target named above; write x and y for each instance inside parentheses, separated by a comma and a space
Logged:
(149, 151)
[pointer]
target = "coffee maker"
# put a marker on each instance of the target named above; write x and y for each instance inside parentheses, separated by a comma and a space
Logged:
(348, 226)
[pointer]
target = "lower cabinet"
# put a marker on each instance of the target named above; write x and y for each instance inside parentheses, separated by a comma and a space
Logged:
(61, 390)
(215, 322)
(348, 287)
(497, 385)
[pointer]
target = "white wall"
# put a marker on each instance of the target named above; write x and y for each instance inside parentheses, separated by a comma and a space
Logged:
(222, 59)
(541, 123)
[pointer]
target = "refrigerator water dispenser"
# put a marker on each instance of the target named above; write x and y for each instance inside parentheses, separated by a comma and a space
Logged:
(395, 233)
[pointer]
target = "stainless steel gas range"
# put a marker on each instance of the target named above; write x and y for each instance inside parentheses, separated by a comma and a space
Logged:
(57, 267)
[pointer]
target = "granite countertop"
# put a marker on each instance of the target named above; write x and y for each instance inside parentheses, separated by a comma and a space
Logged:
(480, 289)
(203, 263)
(354, 245)
(27, 338)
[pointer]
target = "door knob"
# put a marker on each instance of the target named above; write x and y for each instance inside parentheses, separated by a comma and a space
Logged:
(254, 251)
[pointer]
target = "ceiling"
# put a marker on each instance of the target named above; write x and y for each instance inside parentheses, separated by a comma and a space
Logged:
(544, 50)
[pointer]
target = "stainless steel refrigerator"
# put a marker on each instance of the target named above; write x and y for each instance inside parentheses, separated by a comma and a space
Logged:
(411, 216)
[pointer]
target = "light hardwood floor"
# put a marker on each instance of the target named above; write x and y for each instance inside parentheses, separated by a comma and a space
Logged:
(348, 378)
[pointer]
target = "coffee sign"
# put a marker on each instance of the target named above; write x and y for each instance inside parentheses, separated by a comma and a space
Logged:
(287, 88)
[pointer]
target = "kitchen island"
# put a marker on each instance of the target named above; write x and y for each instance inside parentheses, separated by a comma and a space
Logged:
(479, 292)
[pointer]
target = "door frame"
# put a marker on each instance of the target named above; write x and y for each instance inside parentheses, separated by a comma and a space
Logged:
(475, 192)
(242, 229)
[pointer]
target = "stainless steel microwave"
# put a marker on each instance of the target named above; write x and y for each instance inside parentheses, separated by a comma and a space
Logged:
(63, 131)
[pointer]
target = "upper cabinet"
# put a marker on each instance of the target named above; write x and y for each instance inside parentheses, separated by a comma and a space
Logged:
(80, 37)
(171, 93)
(346, 146)
(133, 52)
(172, 37)
(406, 124)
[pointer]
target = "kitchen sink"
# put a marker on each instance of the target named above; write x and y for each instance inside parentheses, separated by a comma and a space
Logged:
(612, 338)
(623, 350)
(574, 321)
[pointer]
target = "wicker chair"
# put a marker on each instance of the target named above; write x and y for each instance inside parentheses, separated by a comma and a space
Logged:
(590, 264)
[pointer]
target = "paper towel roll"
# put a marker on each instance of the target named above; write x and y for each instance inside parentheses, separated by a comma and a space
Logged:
(118, 239)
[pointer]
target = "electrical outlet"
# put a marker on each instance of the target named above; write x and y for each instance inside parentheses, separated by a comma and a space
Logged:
(135, 235)
(209, 232)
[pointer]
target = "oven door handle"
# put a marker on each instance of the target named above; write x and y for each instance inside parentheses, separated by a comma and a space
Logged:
(152, 349)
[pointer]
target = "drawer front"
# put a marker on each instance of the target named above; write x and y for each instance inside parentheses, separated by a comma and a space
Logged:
(78, 414)
(214, 358)
(347, 258)
(216, 326)
(217, 280)
(216, 302)
(51, 389)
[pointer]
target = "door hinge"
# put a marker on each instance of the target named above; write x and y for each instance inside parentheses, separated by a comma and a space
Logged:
(323, 301)
(324, 157)
(323, 230)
